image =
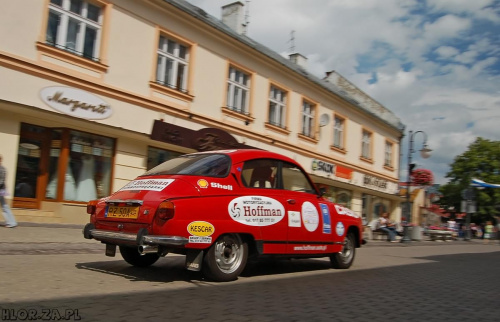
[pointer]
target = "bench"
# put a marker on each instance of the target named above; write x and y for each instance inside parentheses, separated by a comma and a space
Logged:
(444, 235)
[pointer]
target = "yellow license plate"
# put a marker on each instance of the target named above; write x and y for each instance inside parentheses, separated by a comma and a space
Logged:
(122, 212)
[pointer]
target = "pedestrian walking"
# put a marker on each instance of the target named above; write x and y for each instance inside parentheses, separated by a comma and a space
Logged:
(488, 232)
(10, 221)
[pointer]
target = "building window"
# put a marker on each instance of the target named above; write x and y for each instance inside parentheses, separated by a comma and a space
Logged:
(388, 154)
(158, 156)
(308, 119)
(277, 103)
(172, 64)
(366, 145)
(75, 26)
(238, 89)
(338, 133)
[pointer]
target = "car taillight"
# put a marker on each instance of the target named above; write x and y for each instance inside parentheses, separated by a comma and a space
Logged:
(91, 207)
(165, 210)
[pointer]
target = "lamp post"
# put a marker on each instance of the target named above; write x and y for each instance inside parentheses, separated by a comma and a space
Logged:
(425, 152)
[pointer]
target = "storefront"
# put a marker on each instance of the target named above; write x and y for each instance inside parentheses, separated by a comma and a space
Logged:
(367, 195)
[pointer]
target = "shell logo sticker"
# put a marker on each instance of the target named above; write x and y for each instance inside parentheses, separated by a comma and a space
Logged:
(202, 183)
(201, 228)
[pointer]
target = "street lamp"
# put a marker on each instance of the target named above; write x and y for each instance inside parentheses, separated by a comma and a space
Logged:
(425, 152)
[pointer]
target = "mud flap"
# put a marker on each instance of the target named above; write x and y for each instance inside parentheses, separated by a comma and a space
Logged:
(110, 250)
(194, 259)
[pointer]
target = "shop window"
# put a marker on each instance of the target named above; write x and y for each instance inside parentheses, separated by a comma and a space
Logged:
(88, 169)
(158, 156)
(344, 198)
(54, 155)
(336, 195)
(75, 26)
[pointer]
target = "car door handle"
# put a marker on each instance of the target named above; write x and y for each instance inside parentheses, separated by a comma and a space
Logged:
(291, 201)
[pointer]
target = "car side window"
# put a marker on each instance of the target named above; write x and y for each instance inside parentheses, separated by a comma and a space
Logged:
(260, 173)
(294, 179)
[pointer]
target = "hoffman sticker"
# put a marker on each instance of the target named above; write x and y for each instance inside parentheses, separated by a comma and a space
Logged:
(340, 229)
(294, 219)
(256, 210)
(327, 227)
(148, 184)
(310, 216)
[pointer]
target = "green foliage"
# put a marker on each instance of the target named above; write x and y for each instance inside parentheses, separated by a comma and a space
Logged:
(480, 161)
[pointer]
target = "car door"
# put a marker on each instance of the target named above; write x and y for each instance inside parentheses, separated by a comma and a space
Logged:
(309, 217)
(262, 204)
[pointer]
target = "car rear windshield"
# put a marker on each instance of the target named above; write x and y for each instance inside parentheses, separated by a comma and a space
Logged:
(203, 164)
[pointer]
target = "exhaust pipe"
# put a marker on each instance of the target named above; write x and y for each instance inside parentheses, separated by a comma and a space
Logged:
(146, 249)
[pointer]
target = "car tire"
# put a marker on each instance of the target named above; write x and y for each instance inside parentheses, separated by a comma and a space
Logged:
(131, 255)
(226, 258)
(345, 258)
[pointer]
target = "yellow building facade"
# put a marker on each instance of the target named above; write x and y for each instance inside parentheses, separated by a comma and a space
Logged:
(93, 93)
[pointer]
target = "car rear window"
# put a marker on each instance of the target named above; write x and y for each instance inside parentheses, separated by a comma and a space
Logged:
(203, 164)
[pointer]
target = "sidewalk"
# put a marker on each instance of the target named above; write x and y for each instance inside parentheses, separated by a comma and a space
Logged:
(28, 232)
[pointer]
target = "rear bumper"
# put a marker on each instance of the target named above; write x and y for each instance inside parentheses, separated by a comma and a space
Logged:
(141, 238)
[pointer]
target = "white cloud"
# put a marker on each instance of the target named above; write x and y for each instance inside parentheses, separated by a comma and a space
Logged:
(447, 51)
(446, 27)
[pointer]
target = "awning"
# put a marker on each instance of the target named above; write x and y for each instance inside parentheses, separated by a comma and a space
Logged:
(481, 183)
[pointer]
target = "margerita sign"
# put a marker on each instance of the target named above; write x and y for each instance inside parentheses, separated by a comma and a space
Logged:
(76, 102)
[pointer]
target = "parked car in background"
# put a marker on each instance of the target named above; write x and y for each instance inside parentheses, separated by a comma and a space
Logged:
(219, 208)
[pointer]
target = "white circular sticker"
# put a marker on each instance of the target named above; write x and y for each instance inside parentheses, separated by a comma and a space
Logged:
(340, 229)
(310, 216)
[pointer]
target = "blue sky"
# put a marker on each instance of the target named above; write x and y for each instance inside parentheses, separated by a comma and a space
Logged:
(434, 63)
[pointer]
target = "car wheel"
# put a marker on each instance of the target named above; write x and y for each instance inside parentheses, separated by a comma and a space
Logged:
(226, 258)
(345, 257)
(131, 255)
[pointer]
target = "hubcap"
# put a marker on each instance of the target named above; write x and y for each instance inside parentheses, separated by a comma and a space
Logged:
(347, 250)
(228, 253)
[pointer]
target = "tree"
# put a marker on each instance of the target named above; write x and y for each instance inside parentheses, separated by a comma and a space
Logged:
(480, 161)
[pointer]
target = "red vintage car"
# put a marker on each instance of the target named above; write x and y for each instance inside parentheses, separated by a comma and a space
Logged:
(219, 208)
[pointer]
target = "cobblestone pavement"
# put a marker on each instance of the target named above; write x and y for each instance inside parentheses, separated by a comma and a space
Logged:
(51, 272)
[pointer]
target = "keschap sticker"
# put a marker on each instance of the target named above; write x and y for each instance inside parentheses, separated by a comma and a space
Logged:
(340, 229)
(200, 232)
(148, 184)
(256, 210)
(310, 216)
(200, 228)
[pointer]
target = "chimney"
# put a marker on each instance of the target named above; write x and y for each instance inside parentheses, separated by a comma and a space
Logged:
(299, 60)
(233, 16)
